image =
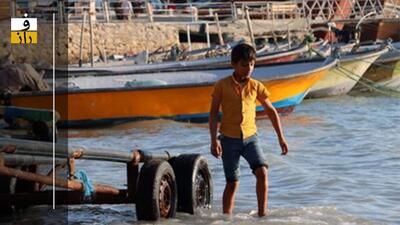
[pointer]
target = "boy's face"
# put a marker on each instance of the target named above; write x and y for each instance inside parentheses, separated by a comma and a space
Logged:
(243, 69)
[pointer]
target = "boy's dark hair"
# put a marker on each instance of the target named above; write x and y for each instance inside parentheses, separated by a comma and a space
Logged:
(243, 52)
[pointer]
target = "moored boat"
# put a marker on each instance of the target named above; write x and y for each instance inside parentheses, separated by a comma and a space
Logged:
(342, 78)
(220, 61)
(96, 100)
(385, 71)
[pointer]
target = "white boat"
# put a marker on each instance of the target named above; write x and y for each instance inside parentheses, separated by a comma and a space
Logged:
(342, 78)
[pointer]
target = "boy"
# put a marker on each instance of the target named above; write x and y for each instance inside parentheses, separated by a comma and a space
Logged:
(237, 95)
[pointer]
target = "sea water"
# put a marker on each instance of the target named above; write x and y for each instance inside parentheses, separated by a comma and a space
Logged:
(343, 167)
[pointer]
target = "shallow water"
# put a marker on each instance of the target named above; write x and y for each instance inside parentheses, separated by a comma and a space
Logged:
(343, 167)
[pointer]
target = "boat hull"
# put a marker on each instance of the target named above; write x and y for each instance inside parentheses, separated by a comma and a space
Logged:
(384, 72)
(338, 81)
(393, 81)
(342, 78)
(187, 103)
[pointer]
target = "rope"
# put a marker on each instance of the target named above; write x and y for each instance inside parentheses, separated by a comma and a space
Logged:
(395, 68)
(368, 83)
(88, 188)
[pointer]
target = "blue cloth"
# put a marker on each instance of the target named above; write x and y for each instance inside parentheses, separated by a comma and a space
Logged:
(233, 148)
(88, 188)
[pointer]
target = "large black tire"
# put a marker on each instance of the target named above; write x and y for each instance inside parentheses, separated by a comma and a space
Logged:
(193, 177)
(156, 195)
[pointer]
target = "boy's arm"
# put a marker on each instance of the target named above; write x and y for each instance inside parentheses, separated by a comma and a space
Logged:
(276, 123)
(216, 149)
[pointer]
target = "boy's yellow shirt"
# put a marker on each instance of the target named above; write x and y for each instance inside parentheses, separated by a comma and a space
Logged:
(239, 106)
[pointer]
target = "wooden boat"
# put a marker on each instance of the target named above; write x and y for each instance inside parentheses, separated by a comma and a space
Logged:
(342, 78)
(183, 95)
(385, 71)
(221, 61)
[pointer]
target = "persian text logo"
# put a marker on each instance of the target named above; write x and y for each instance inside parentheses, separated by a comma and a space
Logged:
(24, 30)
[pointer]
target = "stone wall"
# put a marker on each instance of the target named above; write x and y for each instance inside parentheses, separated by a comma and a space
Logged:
(113, 38)
(40, 53)
(120, 38)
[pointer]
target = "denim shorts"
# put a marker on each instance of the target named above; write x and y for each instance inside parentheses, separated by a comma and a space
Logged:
(233, 148)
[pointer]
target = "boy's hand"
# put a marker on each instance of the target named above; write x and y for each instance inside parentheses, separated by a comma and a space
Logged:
(216, 149)
(284, 146)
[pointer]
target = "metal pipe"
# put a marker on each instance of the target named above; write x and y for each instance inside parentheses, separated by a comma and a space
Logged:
(149, 10)
(69, 184)
(104, 154)
(27, 160)
(106, 10)
(234, 11)
(208, 35)
(92, 15)
(38, 148)
(188, 37)
(81, 40)
(147, 156)
(288, 36)
(250, 27)
(221, 40)
(61, 11)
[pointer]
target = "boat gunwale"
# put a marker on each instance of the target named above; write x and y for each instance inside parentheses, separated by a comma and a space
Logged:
(299, 49)
(391, 59)
(392, 47)
(351, 56)
(392, 56)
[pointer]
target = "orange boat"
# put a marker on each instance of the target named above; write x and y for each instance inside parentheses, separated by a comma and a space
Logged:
(174, 95)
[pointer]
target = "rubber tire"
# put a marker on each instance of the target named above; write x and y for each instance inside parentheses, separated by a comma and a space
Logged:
(147, 194)
(186, 168)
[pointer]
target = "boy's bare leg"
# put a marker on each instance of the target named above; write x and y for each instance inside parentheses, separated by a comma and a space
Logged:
(228, 200)
(262, 190)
